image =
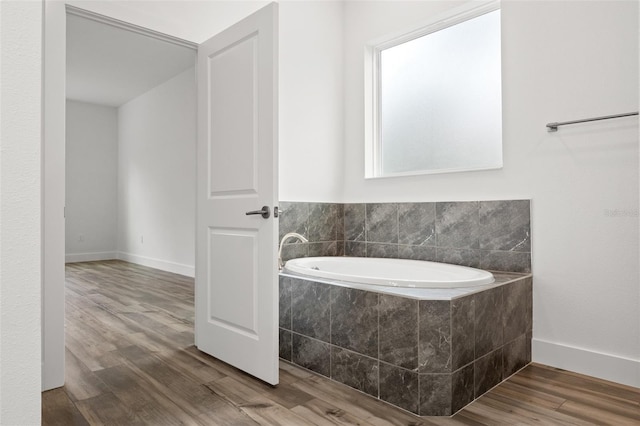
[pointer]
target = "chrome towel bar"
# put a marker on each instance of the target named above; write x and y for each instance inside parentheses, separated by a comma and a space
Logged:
(553, 127)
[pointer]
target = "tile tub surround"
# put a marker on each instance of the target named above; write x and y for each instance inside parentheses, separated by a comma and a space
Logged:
(490, 235)
(321, 223)
(429, 357)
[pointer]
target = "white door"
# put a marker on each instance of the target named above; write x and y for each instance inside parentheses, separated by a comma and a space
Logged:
(236, 256)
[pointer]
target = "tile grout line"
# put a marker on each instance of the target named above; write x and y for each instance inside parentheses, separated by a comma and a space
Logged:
(331, 333)
(418, 356)
(378, 360)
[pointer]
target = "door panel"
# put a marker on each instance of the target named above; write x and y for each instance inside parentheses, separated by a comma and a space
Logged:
(232, 77)
(236, 254)
(238, 283)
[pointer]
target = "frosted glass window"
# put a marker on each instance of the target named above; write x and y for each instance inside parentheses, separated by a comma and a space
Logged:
(440, 101)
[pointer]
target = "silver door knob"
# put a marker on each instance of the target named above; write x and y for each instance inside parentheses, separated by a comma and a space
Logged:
(265, 212)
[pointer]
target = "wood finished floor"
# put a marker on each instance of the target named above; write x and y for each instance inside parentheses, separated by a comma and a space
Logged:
(130, 360)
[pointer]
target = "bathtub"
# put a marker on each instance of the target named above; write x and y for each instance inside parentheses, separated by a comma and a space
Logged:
(353, 323)
(402, 273)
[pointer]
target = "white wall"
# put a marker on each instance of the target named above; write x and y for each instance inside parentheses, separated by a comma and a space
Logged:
(562, 60)
(20, 211)
(156, 176)
(311, 101)
(91, 181)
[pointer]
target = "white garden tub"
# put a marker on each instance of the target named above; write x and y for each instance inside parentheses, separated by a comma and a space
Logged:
(389, 272)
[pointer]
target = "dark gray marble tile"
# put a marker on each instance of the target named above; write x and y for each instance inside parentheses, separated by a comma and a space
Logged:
(294, 217)
(354, 222)
(487, 372)
(284, 344)
(416, 224)
(399, 387)
(461, 388)
(457, 224)
(327, 248)
(355, 249)
(505, 225)
(354, 320)
(488, 313)
(294, 251)
(515, 355)
(284, 309)
(355, 370)
(417, 253)
(435, 394)
(510, 261)
(518, 306)
(382, 250)
(462, 331)
(311, 354)
(382, 223)
(398, 328)
(462, 257)
(340, 248)
(434, 351)
(310, 310)
(323, 222)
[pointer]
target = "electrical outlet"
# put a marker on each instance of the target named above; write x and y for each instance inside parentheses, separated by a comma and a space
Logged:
(141, 239)
(80, 238)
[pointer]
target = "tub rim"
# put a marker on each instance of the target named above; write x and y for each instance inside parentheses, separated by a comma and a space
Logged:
(475, 276)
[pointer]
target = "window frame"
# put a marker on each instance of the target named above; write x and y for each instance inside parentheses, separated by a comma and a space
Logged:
(372, 107)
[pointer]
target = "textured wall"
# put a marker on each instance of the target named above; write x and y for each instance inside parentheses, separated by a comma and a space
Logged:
(20, 204)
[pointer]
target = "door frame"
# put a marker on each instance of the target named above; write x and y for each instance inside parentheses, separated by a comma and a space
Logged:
(53, 195)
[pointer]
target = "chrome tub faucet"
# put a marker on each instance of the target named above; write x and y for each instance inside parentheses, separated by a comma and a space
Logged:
(282, 241)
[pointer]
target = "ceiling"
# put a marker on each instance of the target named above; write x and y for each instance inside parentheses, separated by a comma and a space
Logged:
(110, 66)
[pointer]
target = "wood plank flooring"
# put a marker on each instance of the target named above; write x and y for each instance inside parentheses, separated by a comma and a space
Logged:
(131, 361)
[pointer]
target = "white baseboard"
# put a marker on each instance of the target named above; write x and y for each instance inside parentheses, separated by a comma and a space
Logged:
(90, 257)
(163, 265)
(603, 366)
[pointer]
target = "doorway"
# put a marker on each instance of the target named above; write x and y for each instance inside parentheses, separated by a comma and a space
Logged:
(130, 145)
(261, 26)
(129, 187)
